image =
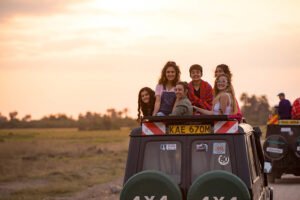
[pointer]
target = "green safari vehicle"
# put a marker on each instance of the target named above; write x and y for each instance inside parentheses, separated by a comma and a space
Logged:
(195, 158)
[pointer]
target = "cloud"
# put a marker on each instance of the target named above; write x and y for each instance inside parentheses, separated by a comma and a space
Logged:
(12, 8)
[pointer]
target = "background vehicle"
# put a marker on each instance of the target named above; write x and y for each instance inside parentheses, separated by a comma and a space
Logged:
(196, 157)
(282, 148)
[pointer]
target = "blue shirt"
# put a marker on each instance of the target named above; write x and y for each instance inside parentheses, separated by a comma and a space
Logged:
(284, 109)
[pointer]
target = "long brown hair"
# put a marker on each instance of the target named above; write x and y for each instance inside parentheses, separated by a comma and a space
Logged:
(163, 78)
(146, 109)
(229, 90)
(225, 69)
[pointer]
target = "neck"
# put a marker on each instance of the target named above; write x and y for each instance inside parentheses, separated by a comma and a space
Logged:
(169, 84)
(196, 82)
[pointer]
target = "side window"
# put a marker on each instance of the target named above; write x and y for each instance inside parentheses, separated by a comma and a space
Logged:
(252, 159)
(164, 156)
(255, 154)
(209, 155)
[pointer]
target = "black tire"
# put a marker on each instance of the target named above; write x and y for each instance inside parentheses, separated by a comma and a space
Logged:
(218, 184)
(271, 193)
(150, 183)
(278, 175)
(297, 148)
(271, 178)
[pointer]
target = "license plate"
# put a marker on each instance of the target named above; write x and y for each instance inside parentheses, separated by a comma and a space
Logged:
(189, 129)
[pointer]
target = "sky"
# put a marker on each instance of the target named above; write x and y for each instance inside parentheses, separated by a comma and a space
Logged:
(74, 56)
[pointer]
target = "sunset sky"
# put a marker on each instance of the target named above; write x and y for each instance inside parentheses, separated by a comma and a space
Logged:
(73, 56)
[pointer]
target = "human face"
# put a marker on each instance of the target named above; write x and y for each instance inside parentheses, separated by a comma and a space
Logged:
(170, 73)
(179, 90)
(145, 97)
(219, 71)
(196, 75)
(222, 83)
(281, 97)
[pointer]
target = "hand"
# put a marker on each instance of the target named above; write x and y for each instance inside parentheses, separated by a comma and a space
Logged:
(196, 108)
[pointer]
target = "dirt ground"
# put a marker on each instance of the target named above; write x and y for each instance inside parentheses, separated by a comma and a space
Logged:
(107, 191)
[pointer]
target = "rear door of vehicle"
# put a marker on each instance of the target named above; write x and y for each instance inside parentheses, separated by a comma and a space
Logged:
(254, 167)
(210, 152)
(164, 154)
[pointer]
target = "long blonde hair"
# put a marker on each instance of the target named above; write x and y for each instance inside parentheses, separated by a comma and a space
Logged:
(229, 90)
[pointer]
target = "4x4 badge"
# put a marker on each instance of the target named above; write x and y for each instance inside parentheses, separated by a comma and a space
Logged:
(223, 160)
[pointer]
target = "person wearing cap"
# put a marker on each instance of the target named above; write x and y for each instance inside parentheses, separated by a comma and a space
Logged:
(284, 107)
(200, 92)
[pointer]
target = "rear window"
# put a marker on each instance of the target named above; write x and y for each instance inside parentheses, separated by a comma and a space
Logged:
(208, 155)
(164, 156)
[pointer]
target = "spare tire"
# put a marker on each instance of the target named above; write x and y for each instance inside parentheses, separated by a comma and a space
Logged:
(297, 147)
(218, 184)
(151, 184)
(275, 147)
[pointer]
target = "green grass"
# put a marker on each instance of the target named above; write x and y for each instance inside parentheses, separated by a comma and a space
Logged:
(63, 160)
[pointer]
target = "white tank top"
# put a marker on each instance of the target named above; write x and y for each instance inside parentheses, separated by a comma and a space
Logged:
(228, 109)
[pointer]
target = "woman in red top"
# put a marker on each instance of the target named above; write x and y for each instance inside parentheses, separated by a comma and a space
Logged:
(296, 109)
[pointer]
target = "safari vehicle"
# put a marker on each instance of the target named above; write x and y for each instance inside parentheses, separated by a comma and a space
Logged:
(194, 157)
(282, 148)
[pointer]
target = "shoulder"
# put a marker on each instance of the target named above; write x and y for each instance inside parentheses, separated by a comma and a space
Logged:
(158, 89)
(224, 96)
(286, 102)
(190, 85)
(206, 84)
(185, 102)
(159, 86)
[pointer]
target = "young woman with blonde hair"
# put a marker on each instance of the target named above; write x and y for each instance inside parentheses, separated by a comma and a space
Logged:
(224, 102)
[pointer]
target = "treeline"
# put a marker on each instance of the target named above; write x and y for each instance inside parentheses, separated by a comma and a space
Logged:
(112, 119)
(255, 109)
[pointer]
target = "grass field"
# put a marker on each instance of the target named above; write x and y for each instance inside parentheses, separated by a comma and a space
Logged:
(40, 163)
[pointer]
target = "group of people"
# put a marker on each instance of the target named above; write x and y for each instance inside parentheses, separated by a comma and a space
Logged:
(178, 98)
(286, 110)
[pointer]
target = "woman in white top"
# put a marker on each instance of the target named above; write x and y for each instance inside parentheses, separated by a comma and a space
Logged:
(165, 89)
(224, 99)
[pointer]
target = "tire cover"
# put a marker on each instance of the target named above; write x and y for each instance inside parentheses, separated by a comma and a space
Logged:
(150, 183)
(218, 184)
(275, 147)
(297, 147)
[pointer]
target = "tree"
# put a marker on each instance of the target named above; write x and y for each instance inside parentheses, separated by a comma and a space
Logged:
(125, 111)
(255, 109)
(3, 121)
(112, 112)
(13, 115)
(26, 118)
